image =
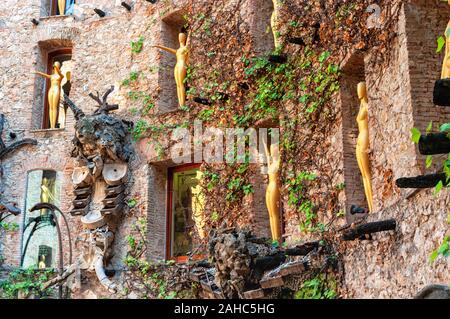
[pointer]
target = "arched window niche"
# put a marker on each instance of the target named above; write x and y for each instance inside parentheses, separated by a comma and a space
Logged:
(49, 52)
(52, 8)
(39, 238)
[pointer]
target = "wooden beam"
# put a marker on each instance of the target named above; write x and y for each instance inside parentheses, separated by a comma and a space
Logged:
(441, 93)
(424, 181)
(357, 232)
(434, 144)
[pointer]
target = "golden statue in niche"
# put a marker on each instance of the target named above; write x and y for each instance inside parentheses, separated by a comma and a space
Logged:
(274, 22)
(54, 92)
(362, 146)
(273, 190)
(62, 7)
(198, 206)
(42, 264)
(446, 64)
(180, 71)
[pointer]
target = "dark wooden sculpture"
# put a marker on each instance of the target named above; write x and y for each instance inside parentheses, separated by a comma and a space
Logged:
(5, 150)
(102, 146)
(7, 210)
(241, 260)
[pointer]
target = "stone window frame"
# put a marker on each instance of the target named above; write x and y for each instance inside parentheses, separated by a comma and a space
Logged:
(46, 50)
(169, 213)
(171, 25)
(60, 175)
(49, 8)
(45, 125)
(353, 67)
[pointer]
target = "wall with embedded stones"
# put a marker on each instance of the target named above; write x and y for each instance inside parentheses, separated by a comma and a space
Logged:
(400, 97)
(391, 265)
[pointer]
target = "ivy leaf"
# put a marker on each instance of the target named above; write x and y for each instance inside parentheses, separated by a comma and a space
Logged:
(440, 44)
(429, 161)
(434, 255)
(445, 127)
(415, 135)
(132, 203)
(325, 55)
(438, 187)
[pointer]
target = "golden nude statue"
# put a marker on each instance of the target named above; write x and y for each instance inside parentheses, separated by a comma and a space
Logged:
(62, 6)
(42, 264)
(180, 72)
(273, 190)
(446, 64)
(362, 146)
(274, 22)
(54, 92)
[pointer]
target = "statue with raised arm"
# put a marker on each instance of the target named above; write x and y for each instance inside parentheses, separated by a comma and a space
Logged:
(180, 72)
(362, 146)
(54, 92)
(273, 189)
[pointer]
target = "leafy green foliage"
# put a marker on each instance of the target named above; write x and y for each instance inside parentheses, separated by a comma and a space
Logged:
(26, 281)
(415, 135)
(132, 202)
(152, 279)
(440, 44)
(9, 226)
(298, 199)
(317, 288)
(443, 250)
(137, 46)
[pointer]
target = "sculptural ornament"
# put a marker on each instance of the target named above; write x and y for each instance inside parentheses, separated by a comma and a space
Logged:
(446, 64)
(273, 190)
(54, 93)
(180, 72)
(274, 23)
(362, 146)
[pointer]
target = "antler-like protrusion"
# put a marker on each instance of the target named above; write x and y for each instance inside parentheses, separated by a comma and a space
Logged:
(77, 112)
(104, 107)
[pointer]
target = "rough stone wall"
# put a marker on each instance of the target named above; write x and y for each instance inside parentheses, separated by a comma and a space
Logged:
(424, 23)
(399, 98)
(101, 55)
(397, 265)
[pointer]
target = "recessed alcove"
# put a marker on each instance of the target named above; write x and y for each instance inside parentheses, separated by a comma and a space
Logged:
(352, 73)
(47, 53)
(171, 26)
(43, 185)
(260, 25)
(50, 8)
